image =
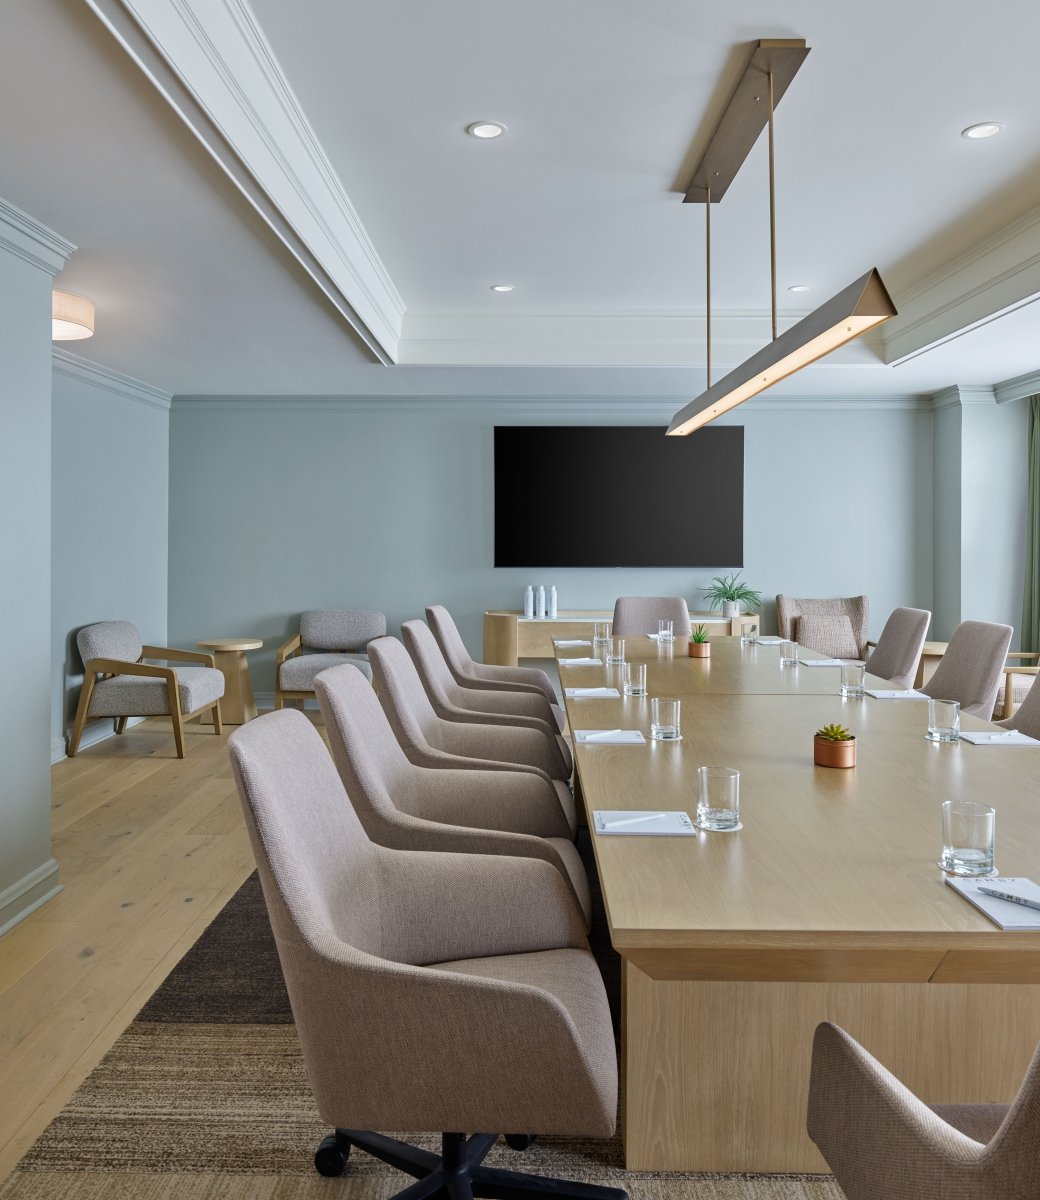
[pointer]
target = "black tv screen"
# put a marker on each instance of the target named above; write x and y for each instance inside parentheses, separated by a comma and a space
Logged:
(618, 496)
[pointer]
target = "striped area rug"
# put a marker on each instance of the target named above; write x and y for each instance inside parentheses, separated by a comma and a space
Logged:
(204, 1097)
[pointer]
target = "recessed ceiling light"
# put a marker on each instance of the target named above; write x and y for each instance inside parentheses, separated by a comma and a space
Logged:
(985, 129)
(486, 129)
(503, 287)
(800, 287)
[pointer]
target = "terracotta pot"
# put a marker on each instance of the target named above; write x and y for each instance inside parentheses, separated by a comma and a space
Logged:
(700, 649)
(834, 754)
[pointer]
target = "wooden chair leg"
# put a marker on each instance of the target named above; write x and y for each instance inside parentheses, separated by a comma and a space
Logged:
(121, 724)
(176, 716)
(279, 699)
(81, 713)
(217, 729)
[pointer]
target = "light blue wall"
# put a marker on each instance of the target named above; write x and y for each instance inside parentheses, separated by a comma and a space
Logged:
(388, 504)
(947, 506)
(110, 548)
(28, 261)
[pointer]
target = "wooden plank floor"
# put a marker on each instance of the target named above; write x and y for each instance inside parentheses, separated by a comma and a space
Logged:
(150, 849)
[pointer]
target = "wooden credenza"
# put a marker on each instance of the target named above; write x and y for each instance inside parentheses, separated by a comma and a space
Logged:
(510, 636)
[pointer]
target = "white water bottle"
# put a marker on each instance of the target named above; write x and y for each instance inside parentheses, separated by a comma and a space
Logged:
(529, 601)
(539, 603)
(552, 603)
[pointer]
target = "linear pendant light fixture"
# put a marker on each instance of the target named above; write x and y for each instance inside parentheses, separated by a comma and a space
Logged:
(859, 307)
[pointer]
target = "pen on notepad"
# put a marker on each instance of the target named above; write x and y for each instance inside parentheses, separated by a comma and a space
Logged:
(1012, 896)
(634, 820)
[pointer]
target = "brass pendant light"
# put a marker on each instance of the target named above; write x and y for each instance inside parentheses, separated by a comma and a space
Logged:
(859, 307)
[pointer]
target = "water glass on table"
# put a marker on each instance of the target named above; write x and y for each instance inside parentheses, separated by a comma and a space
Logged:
(968, 832)
(664, 631)
(600, 633)
(852, 679)
(944, 721)
(718, 798)
(616, 651)
(788, 654)
(749, 634)
(664, 719)
(633, 679)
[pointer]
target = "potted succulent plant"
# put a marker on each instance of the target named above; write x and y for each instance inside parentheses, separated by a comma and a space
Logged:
(834, 746)
(699, 647)
(729, 593)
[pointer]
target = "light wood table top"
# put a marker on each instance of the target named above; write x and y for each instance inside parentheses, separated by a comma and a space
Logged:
(230, 644)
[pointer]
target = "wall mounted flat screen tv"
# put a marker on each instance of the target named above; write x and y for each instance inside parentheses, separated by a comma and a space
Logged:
(618, 496)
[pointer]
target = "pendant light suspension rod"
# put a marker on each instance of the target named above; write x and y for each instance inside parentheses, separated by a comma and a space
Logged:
(707, 258)
(772, 206)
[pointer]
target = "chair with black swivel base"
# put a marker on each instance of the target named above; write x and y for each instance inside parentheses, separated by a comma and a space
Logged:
(431, 992)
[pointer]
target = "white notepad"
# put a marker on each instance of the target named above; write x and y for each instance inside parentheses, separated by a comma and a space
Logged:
(603, 693)
(1001, 912)
(905, 694)
(820, 662)
(581, 662)
(609, 737)
(1008, 737)
(657, 824)
(770, 641)
(571, 642)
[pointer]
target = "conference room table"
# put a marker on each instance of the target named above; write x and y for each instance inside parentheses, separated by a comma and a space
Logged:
(827, 904)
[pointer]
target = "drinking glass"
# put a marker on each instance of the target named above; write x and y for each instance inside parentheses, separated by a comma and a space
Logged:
(633, 679)
(664, 631)
(944, 721)
(788, 654)
(600, 633)
(616, 650)
(749, 634)
(852, 679)
(718, 798)
(968, 831)
(664, 719)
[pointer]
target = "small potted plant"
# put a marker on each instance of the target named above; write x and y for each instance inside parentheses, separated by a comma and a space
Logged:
(699, 647)
(834, 746)
(729, 593)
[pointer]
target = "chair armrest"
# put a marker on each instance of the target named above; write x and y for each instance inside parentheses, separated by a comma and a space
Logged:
(452, 906)
(516, 802)
(1022, 654)
(1021, 670)
(514, 746)
(116, 666)
(871, 644)
(288, 649)
(872, 1129)
(172, 655)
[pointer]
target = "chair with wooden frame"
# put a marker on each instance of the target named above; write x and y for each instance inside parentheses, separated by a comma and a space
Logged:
(327, 638)
(1014, 695)
(129, 687)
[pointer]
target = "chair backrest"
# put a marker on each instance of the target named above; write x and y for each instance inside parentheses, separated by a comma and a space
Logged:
(402, 695)
(444, 629)
(970, 670)
(1026, 717)
(640, 614)
(790, 609)
(371, 763)
(340, 629)
(434, 672)
(109, 639)
(899, 647)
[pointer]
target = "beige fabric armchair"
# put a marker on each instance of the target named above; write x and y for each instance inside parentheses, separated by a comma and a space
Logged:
(468, 673)
(128, 687)
(834, 627)
(327, 638)
(421, 808)
(970, 671)
(897, 651)
(640, 614)
(430, 991)
(456, 703)
(882, 1143)
(430, 741)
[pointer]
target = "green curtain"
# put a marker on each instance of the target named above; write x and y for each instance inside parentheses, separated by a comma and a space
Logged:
(1030, 639)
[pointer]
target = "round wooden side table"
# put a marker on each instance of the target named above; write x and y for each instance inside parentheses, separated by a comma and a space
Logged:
(237, 704)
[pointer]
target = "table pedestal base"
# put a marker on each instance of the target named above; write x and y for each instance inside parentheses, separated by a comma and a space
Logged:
(237, 704)
(716, 1075)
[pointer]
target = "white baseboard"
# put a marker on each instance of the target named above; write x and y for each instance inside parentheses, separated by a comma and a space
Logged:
(97, 731)
(27, 894)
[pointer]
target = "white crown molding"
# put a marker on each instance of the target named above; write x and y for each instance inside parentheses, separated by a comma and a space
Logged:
(85, 371)
(964, 397)
(212, 63)
(625, 339)
(549, 410)
(31, 241)
(1018, 388)
(996, 276)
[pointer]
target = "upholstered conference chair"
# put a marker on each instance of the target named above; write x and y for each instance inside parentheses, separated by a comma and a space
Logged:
(472, 674)
(430, 991)
(1026, 718)
(971, 669)
(640, 614)
(129, 687)
(327, 638)
(834, 627)
(456, 703)
(882, 1143)
(422, 808)
(430, 741)
(898, 649)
